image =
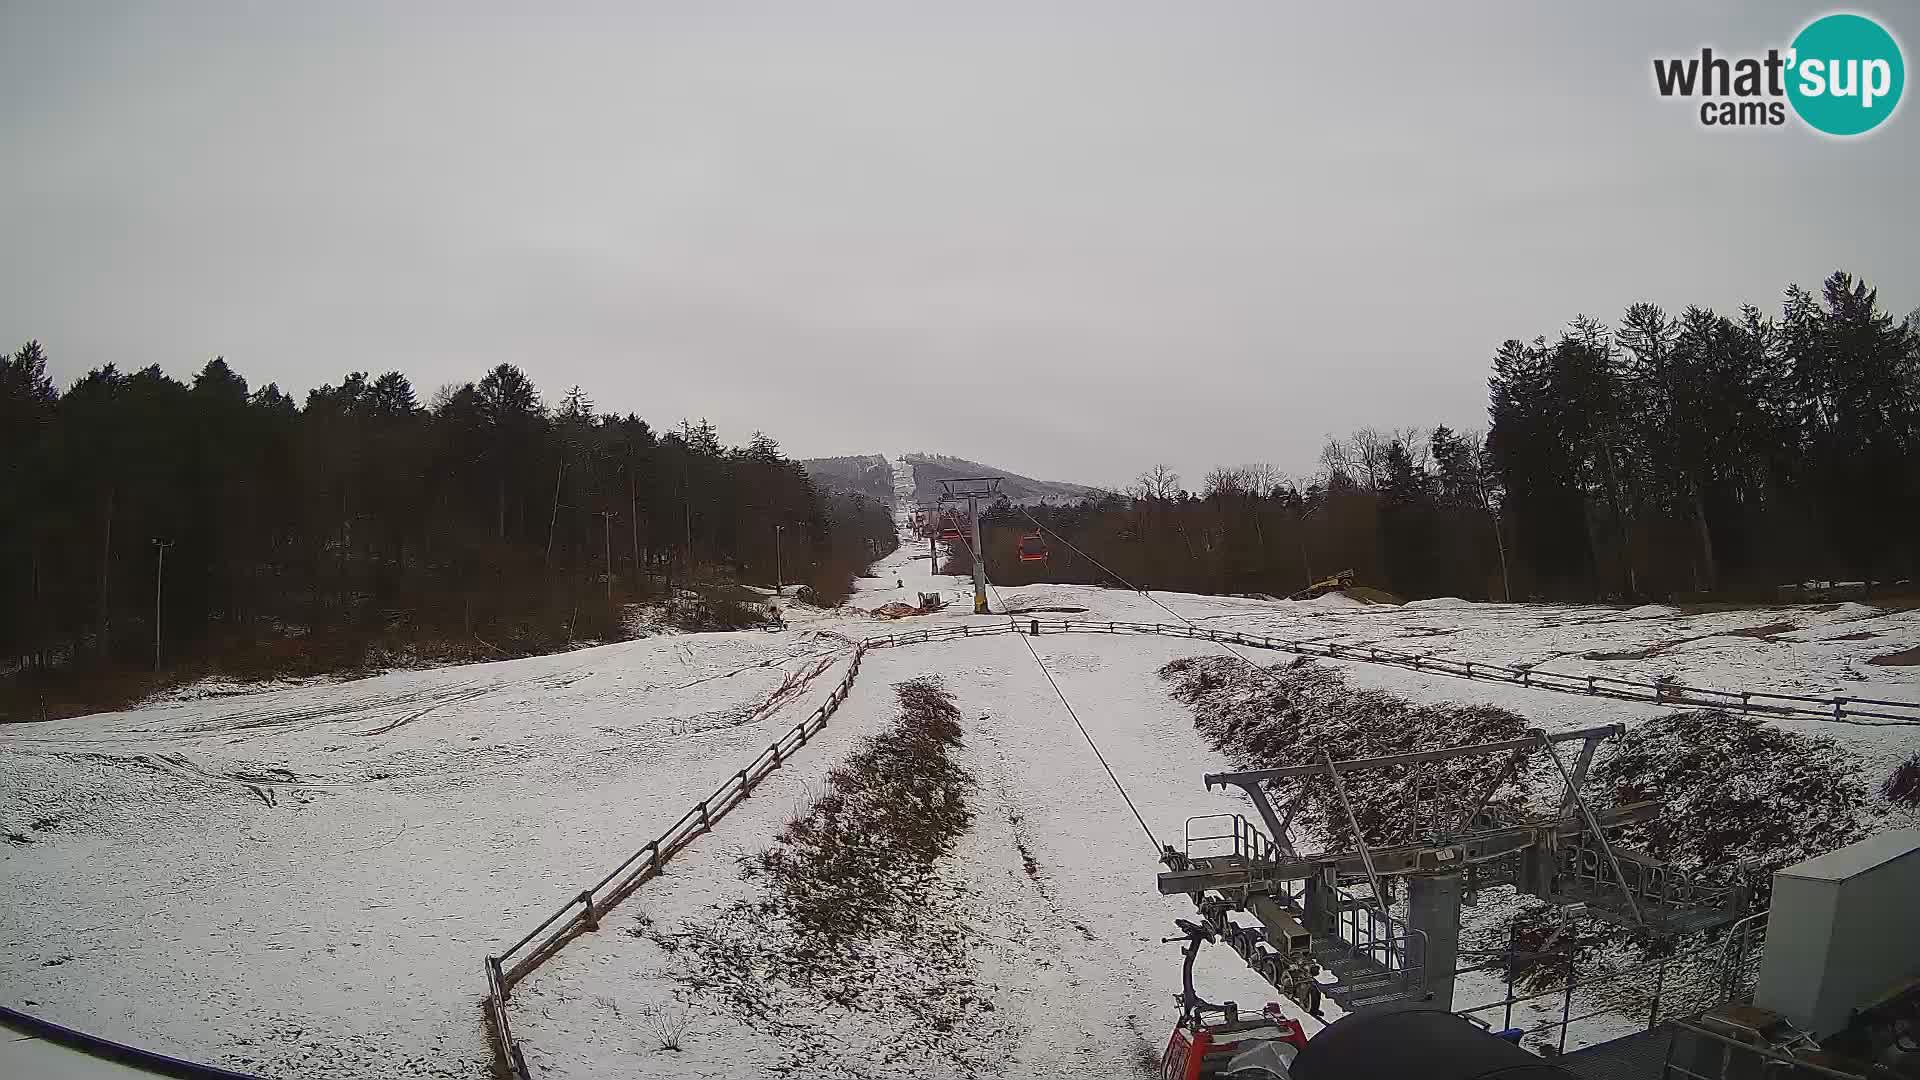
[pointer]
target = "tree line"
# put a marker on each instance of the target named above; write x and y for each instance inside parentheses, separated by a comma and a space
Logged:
(1695, 454)
(297, 535)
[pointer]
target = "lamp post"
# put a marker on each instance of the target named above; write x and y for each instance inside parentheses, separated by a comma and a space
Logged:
(779, 572)
(606, 521)
(159, 575)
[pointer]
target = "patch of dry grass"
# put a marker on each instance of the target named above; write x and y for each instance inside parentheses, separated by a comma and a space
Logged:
(890, 811)
(1290, 714)
(861, 952)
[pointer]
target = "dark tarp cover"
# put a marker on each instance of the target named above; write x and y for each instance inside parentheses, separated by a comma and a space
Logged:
(1420, 1044)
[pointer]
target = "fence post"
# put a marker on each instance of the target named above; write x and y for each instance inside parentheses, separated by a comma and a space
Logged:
(1590, 688)
(1035, 624)
(1746, 698)
(591, 918)
(1839, 705)
(705, 822)
(499, 977)
(1469, 669)
(777, 761)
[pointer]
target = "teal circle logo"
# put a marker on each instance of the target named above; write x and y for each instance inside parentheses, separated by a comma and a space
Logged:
(1846, 75)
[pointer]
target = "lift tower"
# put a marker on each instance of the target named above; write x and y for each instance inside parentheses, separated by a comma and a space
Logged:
(973, 490)
(1331, 912)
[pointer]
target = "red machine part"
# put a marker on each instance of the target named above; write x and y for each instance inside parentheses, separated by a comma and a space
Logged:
(1199, 1052)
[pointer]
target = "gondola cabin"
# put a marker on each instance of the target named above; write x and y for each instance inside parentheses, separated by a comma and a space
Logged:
(1206, 1051)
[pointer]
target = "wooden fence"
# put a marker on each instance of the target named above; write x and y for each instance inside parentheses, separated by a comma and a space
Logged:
(582, 912)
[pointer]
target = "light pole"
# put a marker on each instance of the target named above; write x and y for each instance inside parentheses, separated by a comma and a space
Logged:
(606, 520)
(779, 572)
(159, 575)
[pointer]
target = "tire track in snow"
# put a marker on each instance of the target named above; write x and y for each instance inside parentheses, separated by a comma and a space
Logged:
(411, 717)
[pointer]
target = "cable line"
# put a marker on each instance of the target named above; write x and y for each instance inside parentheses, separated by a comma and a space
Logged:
(1061, 694)
(1111, 572)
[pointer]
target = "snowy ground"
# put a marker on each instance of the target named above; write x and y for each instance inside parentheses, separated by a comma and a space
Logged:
(302, 882)
(1067, 950)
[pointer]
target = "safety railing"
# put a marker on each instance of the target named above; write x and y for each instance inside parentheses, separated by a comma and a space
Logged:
(1239, 837)
(1711, 972)
(1732, 1058)
(1839, 708)
(582, 912)
(1740, 956)
(1242, 840)
(1661, 892)
(1398, 951)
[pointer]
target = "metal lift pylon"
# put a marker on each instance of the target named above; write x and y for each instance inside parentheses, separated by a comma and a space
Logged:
(972, 490)
(1332, 912)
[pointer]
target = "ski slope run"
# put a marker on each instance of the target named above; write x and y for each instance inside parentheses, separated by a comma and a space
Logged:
(301, 882)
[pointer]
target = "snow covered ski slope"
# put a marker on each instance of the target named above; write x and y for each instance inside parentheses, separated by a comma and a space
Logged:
(301, 882)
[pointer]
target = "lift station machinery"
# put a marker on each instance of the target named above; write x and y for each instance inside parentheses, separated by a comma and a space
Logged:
(1329, 913)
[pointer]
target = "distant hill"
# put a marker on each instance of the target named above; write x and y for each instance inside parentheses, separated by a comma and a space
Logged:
(930, 469)
(870, 475)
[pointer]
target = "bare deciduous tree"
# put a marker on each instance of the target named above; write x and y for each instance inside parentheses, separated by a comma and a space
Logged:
(1160, 484)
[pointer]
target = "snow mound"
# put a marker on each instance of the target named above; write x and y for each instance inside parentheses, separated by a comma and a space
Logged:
(1440, 603)
(1650, 611)
(1284, 715)
(220, 686)
(1735, 788)
(1850, 611)
(1335, 600)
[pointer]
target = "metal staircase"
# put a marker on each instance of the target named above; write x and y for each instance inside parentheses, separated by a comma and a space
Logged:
(1366, 954)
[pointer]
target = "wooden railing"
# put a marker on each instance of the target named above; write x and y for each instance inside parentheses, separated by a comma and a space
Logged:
(1837, 708)
(583, 911)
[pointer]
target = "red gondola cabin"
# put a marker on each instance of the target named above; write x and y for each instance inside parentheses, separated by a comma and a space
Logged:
(1032, 548)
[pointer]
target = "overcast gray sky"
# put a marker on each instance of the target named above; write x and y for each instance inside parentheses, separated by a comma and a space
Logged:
(1068, 239)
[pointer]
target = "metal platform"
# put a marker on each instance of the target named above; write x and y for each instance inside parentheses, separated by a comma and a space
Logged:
(1640, 1056)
